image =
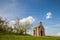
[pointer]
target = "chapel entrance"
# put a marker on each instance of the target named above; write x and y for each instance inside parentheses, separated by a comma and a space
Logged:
(41, 33)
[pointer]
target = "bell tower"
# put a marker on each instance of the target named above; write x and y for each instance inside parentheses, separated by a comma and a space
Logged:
(40, 24)
(41, 31)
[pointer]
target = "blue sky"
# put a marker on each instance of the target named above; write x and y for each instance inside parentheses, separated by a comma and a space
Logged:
(47, 11)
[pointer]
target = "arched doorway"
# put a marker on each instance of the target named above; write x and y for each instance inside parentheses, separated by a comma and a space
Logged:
(41, 33)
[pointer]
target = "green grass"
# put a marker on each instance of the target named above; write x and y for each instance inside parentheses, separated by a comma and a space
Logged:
(25, 37)
(22, 37)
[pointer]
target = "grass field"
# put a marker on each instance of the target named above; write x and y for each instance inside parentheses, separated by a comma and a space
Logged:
(24, 37)
(12, 36)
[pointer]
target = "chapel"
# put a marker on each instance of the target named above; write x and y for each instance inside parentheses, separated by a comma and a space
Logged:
(39, 30)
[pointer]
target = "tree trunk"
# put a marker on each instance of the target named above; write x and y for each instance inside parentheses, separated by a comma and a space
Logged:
(25, 31)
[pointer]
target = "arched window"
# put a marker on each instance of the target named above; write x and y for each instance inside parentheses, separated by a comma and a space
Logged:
(34, 32)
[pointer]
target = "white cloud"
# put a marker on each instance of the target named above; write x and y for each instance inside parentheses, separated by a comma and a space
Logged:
(53, 30)
(48, 15)
(28, 19)
(58, 34)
